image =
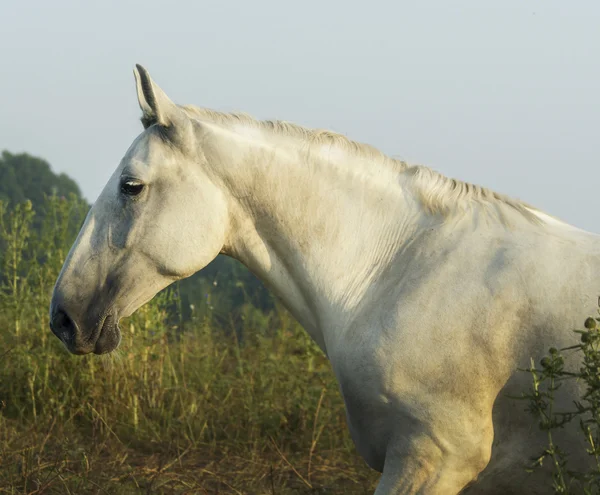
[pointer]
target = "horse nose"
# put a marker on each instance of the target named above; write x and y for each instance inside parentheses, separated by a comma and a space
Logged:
(63, 326)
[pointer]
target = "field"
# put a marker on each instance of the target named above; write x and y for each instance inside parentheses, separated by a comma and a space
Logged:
(195, 406)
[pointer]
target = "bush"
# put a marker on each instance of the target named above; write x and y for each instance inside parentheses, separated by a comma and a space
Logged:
(547, 380)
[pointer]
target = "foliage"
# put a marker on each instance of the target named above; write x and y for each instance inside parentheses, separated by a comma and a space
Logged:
(227, 291)
(547, 381)
(24, 177)
(31, 258)
(182, 407)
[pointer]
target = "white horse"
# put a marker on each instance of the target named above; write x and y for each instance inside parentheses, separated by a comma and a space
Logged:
(426, 293)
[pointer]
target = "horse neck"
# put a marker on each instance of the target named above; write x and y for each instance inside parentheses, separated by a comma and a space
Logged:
(317, 232)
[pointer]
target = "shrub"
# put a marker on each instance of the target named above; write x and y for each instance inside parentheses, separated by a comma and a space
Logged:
(541, 399)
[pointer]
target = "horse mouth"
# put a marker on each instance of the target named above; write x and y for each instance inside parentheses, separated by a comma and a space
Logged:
(109, 337)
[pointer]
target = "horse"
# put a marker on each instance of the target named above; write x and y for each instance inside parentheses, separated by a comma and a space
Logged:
(427, 294)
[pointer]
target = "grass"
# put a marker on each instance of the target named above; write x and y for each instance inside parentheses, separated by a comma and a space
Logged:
(183, 408)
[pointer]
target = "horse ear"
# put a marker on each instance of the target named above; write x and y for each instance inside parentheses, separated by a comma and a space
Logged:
(157, 107)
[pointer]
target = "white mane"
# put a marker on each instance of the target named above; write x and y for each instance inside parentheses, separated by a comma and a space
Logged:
(437, 193)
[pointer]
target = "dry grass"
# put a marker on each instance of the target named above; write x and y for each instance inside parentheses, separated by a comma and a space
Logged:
(194, 414)
(179, 409)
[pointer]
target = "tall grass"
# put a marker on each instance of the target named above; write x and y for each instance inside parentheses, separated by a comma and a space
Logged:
(182, 407)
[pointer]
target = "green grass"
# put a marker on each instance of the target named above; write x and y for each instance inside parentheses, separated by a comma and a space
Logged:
(181, 408)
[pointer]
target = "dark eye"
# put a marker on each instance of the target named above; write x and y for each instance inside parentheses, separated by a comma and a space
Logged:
(131, 187)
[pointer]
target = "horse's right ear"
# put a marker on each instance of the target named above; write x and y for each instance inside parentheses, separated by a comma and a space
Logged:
(157, 108)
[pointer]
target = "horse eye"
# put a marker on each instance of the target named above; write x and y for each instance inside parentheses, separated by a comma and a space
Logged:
(131, 187)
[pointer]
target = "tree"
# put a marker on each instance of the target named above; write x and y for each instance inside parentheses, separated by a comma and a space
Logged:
(23, 177)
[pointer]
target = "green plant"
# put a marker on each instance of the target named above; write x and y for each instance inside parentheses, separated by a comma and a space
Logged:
(541, 399)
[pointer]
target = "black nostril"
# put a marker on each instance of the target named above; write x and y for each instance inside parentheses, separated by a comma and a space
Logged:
(62, 325)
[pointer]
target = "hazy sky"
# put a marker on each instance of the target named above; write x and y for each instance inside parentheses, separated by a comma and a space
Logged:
(501, 93)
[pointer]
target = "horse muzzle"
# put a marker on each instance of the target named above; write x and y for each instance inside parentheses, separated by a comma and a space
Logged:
(104, 338)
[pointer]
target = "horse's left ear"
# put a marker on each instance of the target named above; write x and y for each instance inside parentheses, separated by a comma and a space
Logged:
(156, 106)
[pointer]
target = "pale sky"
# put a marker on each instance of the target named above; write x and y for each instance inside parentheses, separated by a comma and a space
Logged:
(504, 94)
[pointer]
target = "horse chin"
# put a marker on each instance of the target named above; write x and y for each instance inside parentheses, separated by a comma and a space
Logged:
(110, 336)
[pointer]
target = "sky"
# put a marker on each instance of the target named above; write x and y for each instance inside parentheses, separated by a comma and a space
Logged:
(504, 94)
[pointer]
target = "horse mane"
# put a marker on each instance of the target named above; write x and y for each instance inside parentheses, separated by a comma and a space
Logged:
(437, 193)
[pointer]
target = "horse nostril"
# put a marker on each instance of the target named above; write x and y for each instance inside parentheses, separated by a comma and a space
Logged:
(62, 325)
